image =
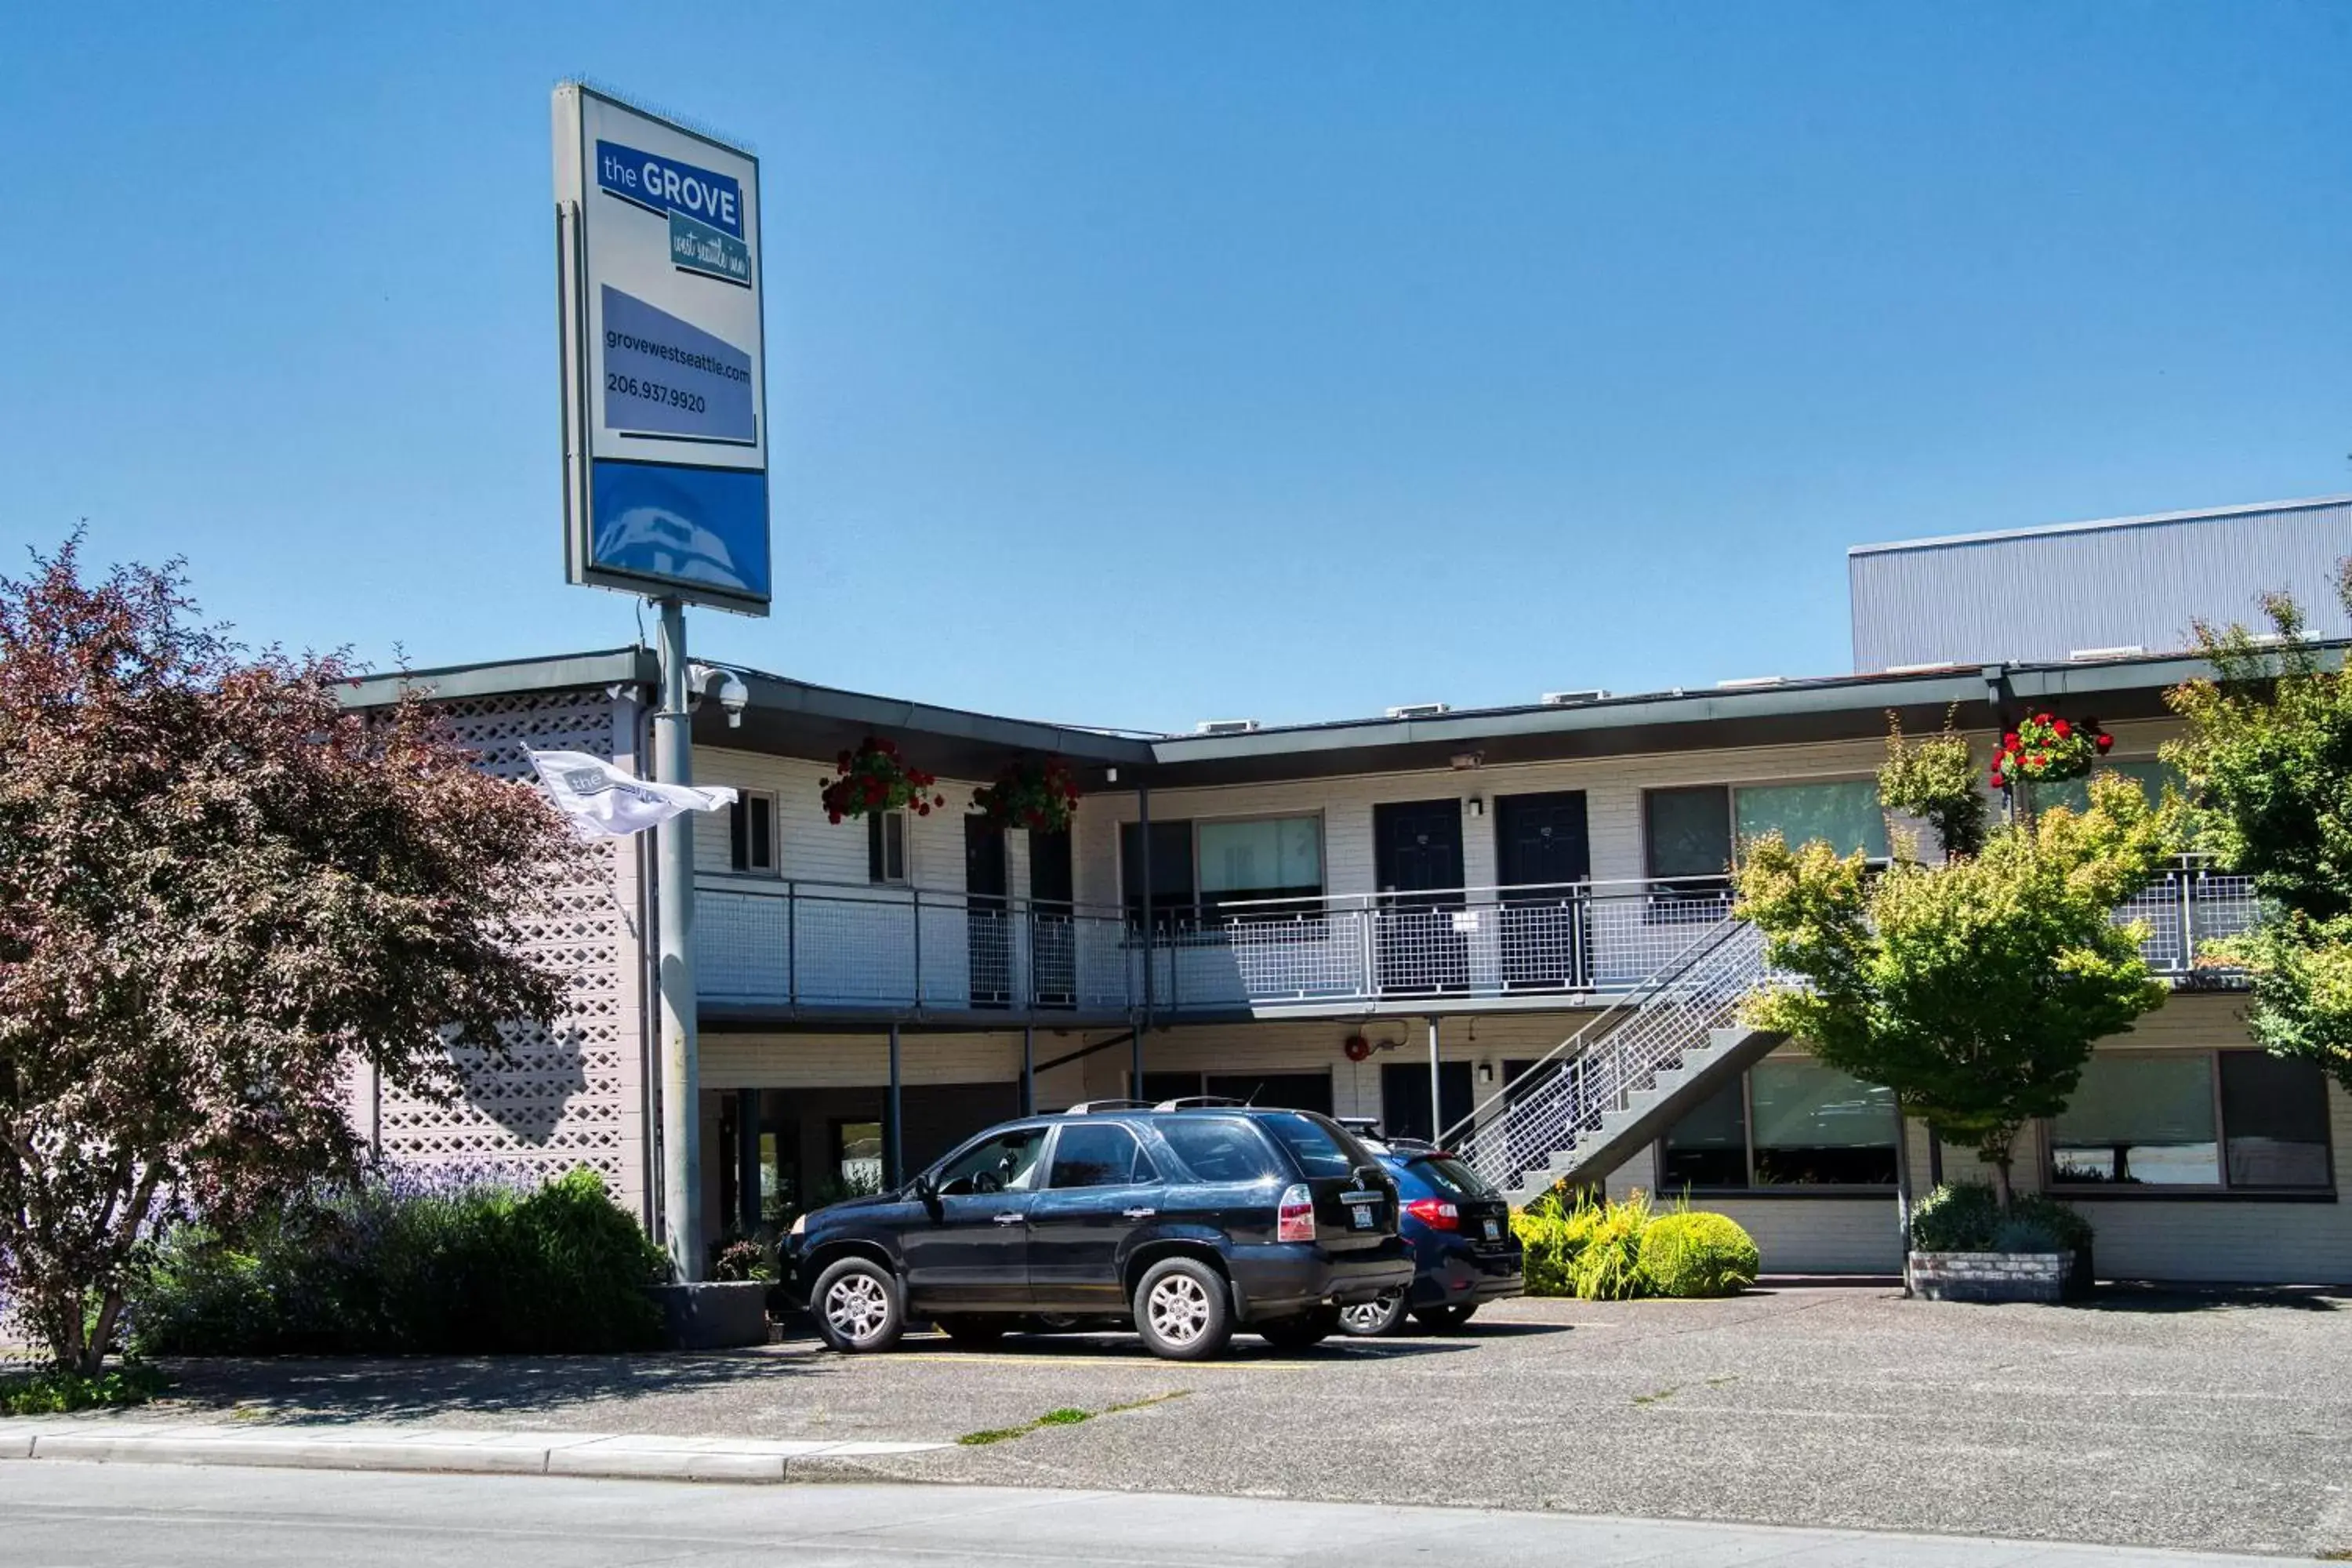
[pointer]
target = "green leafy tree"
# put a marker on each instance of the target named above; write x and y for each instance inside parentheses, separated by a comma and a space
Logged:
(1935, 779)
(1973, 989)
(2268, 757)
(220, 892)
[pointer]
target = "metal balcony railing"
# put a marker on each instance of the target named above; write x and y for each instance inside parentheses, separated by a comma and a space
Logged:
(823, 947)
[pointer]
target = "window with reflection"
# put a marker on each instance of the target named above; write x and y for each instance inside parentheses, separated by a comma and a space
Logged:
(1787, 1122)
(2194, 1119)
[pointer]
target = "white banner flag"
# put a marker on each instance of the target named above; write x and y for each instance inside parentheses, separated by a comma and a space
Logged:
(600, 798)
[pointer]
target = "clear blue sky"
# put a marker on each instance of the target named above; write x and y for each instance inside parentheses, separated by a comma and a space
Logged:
(1141, 364)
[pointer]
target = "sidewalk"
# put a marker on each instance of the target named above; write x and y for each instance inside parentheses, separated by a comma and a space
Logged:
(376, 1447)
(175, 1518)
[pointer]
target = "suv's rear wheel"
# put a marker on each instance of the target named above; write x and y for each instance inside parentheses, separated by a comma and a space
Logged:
(972, 1333)
(1301, 1332)
(1181, 1312)
(1378, 1316)
(857, 1305)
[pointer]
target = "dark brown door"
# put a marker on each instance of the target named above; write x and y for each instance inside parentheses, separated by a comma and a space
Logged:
(1543, 855)
(1417, 861)
(988, 919)
(1052, 925)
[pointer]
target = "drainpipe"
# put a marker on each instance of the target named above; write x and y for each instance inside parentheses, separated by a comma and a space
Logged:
(1151, 918)
(1436, 1105)
(1028, 1070)
(893, 1136)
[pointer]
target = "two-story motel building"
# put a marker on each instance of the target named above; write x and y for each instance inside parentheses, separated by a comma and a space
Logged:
(1519, 913)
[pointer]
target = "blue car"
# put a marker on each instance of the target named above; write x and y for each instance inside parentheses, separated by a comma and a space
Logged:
(1459, 1229)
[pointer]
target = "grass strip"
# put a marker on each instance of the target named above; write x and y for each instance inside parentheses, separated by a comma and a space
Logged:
(1067, 1415)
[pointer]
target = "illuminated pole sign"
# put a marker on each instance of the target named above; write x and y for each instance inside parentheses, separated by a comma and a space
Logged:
(665, 395)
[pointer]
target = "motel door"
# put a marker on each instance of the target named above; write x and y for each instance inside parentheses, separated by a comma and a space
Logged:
(1543, 856)
(988, 919)
(1422, 947)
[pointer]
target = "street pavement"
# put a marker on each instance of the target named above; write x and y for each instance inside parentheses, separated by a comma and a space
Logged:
(66, 1512)
(2214, 1424)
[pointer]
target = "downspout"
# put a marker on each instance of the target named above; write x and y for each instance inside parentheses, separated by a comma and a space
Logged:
(1151, 919)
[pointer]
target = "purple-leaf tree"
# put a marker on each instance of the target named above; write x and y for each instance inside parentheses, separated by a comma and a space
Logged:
(220, 892)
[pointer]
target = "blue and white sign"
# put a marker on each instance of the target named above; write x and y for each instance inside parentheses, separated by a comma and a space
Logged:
(666, 485)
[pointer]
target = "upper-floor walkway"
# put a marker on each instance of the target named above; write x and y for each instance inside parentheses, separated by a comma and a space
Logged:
(771, 950)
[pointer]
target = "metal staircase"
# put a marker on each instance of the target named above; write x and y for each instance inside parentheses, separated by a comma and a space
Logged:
(1617, 1084)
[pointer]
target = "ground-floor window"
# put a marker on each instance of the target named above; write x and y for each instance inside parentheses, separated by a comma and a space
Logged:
(858, 1155)
(2212, 1120)
(1787, 1122)
(1286, 1091)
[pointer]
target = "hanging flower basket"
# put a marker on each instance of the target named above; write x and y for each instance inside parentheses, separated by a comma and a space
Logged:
(875, 778)
(2046, 749)
(1037, 794)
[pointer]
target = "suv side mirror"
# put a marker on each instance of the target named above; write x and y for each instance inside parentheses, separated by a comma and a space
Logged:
(923, 1188)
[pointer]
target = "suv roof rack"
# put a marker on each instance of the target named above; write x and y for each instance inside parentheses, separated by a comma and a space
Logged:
(1089, 1107)
(1203, 1102)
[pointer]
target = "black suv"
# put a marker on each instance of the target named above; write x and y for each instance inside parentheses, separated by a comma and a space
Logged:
(1188, 1218)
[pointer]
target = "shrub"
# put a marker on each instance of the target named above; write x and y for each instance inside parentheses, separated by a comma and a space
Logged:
(54, 1391)
(1965, 1216)
(1543, 1240)
(1607, 1238)
(407, 1263)
(2019, 1234)
(1695, 1254)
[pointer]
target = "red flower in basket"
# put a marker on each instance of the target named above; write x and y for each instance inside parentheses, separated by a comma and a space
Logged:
(1038, 794)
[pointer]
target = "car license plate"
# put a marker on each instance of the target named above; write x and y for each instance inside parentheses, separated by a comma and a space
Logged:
(1494, 1230)
(1362, 1216)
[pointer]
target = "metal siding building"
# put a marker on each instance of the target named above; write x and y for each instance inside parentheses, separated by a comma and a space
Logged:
(2041, 594)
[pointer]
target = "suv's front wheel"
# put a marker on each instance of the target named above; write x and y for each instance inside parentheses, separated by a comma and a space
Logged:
(857, 1307)
(1181, 1312)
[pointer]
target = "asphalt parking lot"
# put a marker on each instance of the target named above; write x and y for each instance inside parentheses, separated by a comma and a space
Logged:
(2222, 1423)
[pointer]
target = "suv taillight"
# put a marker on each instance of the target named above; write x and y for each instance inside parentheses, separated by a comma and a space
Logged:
(1435, 1212)
(1294, 1218)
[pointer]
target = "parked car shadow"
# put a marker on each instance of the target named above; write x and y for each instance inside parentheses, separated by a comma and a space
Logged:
(2133, 1296)
(406, 1389)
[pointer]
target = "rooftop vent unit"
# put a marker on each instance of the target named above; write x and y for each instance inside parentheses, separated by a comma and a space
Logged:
(1420, 709)
(1746, 681)
(2126, 650)
(1569, 699)
(1225, 727)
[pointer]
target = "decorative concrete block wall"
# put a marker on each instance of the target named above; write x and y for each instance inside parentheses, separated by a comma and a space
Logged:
(573, 1092)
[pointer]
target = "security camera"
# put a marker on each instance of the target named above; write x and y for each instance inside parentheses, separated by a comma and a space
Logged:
(734, 696)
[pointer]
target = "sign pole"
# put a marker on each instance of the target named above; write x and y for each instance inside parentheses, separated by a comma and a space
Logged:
(681, 1070)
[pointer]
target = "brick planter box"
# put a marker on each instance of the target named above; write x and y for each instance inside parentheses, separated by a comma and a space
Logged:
(1991, 1275)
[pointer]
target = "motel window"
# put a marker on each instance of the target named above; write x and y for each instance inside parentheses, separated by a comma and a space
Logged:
(2074, 795)
(1268, 858)
(1687, 832)
(1789, 1121)
(751, 833)
(1695, 832)
(2194, 1119)
(886, 847)
(1843, 813)
(1198, 870)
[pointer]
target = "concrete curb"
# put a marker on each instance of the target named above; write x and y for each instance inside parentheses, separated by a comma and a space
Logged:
(453, 1450)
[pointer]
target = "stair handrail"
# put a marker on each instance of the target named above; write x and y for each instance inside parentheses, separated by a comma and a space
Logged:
(1587, 1085)
(1699, 947)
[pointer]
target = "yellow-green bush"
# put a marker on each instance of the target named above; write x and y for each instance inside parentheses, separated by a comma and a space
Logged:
(1695, 1254)
(1602, 1251)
